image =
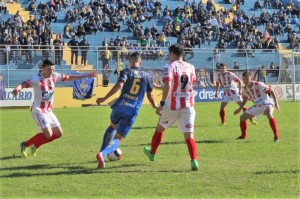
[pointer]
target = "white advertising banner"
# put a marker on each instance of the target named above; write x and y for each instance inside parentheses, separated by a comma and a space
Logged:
(24, 98)
(285, 91)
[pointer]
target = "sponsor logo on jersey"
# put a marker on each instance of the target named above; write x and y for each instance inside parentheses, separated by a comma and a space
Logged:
(182, 94)
(47, 95)
(130, 97)
(128, 104)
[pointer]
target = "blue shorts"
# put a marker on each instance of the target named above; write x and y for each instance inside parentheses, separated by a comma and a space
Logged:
(123, 121)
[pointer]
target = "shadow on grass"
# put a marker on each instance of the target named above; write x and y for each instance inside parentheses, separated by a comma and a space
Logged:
(145, 127)
(41, 166)
(73, 170)
(174, 126)
(275, 172)
(9, 157)
(182, 142)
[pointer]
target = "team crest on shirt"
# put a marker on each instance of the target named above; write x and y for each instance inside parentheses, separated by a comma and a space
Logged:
(136, 74)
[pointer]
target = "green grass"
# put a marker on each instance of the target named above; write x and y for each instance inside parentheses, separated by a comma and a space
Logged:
(66, 168)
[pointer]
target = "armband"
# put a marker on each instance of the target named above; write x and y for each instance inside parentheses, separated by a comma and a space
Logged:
(162, 103)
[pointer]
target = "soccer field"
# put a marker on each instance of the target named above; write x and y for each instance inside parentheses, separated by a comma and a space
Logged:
(66, 168)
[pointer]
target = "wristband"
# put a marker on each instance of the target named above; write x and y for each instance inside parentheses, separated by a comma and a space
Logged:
(162, 103)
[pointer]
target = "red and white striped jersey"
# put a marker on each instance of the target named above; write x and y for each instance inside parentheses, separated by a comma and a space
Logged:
(43, 90)
(183, 76)
(227, 81)
(258, 93)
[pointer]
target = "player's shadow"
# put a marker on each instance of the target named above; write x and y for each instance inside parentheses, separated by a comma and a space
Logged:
(40, 166)
(68, 170)
(123, 167)
(9, 157)
(275, 172)
(211, 141)
(182, 142)
(147, 127)
(78, 170)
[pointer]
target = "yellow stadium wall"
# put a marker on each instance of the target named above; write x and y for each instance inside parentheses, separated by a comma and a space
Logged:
(63, 97)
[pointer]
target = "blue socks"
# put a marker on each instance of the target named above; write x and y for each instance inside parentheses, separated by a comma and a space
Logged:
(112, 147)
(108, 136)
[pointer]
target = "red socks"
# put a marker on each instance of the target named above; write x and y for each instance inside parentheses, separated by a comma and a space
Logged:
(244, 126)
(273, 125)
(222, 115)
(156, 140)
(191, 144)
(40, 139)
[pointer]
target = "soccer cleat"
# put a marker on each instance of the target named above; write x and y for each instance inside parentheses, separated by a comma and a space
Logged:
(241, 138)
(101, 162)
(34, 150)
(149, 154)
(23, 150)
(194, 164)
(222, 124)
(276, 139)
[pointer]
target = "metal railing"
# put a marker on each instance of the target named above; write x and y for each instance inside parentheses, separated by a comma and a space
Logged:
(20, 62)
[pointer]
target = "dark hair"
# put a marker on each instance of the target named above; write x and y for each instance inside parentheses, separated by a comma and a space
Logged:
(47, 62)
(135, 56)
(177, 49)
(222, 65)
(246, 74)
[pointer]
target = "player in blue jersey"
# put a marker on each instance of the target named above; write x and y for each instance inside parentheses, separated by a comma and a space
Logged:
(134, 84)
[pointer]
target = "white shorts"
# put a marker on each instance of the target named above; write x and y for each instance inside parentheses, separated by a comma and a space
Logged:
(45, 120)
(234, 97)
(184, 118)
(258, 110)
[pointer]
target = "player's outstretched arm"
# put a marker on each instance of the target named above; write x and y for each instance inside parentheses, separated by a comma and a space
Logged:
(275, 101)
(240, 87)
(151, 99)
(166, 90)
(217, 88)
(17, 89)
(75, 77)
(244, 102)
(112, 91)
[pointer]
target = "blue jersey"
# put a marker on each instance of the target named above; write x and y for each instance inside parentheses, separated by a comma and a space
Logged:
(137, 83)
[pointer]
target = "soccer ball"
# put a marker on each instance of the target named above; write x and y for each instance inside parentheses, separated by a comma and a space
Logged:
(115, 155)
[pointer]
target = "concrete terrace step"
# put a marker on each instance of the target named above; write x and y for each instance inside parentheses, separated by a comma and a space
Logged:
(13, 8)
